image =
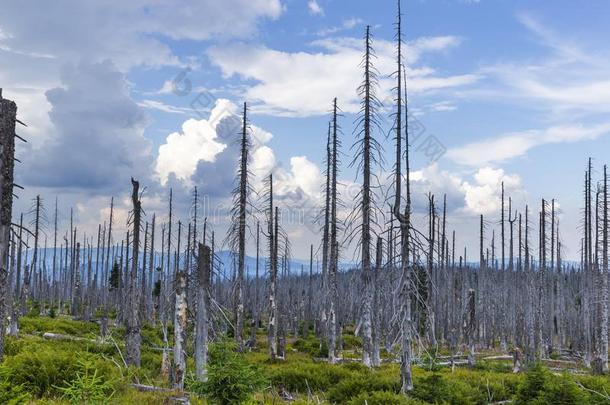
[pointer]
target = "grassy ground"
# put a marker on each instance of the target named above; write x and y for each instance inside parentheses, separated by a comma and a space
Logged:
(87, 370)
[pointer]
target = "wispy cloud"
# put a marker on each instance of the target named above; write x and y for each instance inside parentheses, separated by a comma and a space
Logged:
(568, 81)
(511, 145)
(158, 105)
(346, 25)
(315, 8)
(314, 78)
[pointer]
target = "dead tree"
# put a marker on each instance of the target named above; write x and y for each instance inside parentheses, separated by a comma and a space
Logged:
(404, 219)
(237, 232)
(106, 271)
(132, 337)
(53, 268)
(334, 245)
(601, 363)
(366, 146)
(530, 303)
(470, 326)
(376, 307)
(587, 270)
(8, 117)
(180, 319)
(430, 272)
(325, 238)
(255, 305)
(203, 308)
(151, 270)
(272, 245)
(540, 325)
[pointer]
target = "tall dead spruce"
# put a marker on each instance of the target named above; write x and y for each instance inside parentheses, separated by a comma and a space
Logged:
(332, 304)
(366, 150)
(403, 217)
(237, 232)
(132, 337)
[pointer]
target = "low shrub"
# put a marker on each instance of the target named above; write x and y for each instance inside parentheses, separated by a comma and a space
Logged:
(311, 346)
(383, 398)
(598, 386)
(436, 388)
(561, 391)
(231, 378)
(532, 386)
(362, 383)
(41, 369)
(40, 325)
(10, 393)
(494, 386)
(151, 336)
(88, 386)
(308, 376)
(351, 342)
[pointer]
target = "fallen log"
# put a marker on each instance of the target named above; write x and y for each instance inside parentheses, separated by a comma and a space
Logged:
(59, 336)
(499, 357)
(150, 388)
(172, 399)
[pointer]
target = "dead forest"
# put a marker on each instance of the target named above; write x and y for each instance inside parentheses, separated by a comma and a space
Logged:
(412, 297)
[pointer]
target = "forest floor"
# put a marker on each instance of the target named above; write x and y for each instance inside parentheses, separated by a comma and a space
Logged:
(62, 361)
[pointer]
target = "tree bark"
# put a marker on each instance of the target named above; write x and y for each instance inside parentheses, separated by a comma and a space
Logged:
(8, 116)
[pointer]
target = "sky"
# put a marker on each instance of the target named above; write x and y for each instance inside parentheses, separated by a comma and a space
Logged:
(509, 91)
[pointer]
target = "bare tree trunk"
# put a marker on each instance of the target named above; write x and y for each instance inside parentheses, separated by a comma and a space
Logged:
(203, 307)
(8, 117)
(587, 287)
(367, 282)
(405, 325)
(309, 316)
(326, 244)
(471, 327)
(132, 338)
(376, 308)
(106, 271)
(255, 305)
(334, 245)
(17, 303)
(151, 272)
(180, 318)
(430, 270)
(541, 286)
(53, 270)
(239, 231)
(272, 236)
(530, 353)
(76, 293)
(602, 367)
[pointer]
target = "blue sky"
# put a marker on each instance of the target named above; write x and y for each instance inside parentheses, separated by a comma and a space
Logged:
(516, 91)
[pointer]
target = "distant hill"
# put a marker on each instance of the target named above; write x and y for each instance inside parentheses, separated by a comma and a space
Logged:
(224, 257)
